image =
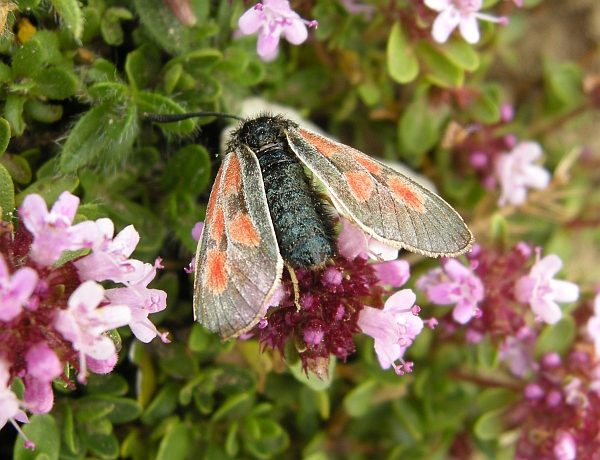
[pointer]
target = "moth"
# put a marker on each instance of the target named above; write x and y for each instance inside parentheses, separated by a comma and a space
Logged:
(265, 212)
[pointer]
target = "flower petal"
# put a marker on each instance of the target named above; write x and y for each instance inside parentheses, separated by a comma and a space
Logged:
(444, 24)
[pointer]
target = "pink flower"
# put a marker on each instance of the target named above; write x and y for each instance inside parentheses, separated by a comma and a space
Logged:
(83, 323)
(565, 447)
(15, 289)
(52, 231)
(142, 302)
(394, 328)
(454, 284)
(43, 363)
(461, 13)
(541, 291)
(593, 325)
(10, 406)
(517, 173)
(109, 259)
(38, 395)
(274, 19)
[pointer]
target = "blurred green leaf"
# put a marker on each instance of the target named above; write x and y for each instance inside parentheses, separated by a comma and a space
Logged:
(18, 167)
(155, 103)
(7, 194)
(4, 135)
(49, 188)
(42, 111)
(162, 405)
(490, 425)
(43, 431)
(234, 407)
(98, 436)
(175, 444)
(438, 68)
(13, 113)
(28, 59)
(141, 66)
(110, 24)
(358, 401)
(188, 170)
(402, 65)
(71, 14)
(460, 53)
(557, 337)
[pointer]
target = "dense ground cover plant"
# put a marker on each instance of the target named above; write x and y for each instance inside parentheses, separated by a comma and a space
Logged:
(493, 354)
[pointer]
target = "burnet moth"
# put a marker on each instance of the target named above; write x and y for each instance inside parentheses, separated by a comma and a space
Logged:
(265, 212)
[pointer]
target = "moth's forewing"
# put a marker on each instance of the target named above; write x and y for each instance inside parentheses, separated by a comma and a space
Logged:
(238, 265)
(384, 203)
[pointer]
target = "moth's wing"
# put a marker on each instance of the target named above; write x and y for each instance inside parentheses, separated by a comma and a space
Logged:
(238, 265)
(384, 203)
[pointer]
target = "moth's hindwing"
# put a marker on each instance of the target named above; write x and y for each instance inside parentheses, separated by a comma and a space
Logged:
(382, 202)
(238, 265)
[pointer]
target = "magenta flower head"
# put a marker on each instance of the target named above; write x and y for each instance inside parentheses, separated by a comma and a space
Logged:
(462, 14)
(274, 19)
(454, 284)
(542, 291)
(517, 173)
(53, 316)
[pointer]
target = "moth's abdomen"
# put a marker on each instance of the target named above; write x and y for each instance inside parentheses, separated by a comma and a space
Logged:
(303, 227)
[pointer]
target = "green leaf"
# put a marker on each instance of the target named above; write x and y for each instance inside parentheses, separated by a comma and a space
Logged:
(402, 65)
(28, 59)
(155, 103)
(7, 194)
(438, 68)
(141, 66)
(197, 62)
(188, 170)
(557, 337)
(6, 73)
(43, 431)
(490, 425)
(496, 398)
(234, 407)
(109, 384)
(41, 111)
(175, 444)
(122, 410)
(487, 354)
(68, 427)
(105, 132)
(109, 90)
(358, 400)
(71, 15)
(419, 128)
(460, 53)
(54, 83)
(99, 438)
(162, 405)
(91, 21)
(110, 25)
(4, 135)
(171, 78)
(162, 25)
(264, 438)
(18, 167)
(49, 188)
(13, 113)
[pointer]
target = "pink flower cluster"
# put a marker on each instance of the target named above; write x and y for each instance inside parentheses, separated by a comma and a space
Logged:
(496, 288)
(53, 311)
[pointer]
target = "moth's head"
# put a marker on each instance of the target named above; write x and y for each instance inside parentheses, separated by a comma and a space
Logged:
(261, 131)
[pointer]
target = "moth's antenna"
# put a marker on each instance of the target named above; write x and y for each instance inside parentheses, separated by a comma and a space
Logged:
(173, 117)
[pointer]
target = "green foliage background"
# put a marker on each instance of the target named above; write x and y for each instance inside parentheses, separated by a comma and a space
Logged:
(75, 80)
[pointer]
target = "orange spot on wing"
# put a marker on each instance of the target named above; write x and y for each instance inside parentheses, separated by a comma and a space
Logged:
(368, 164)
(241, 229)
(215, 276)
(325, 146)
(217, 229)
(360, 184)
(213, 196)
(411, 197)
(233, 176)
